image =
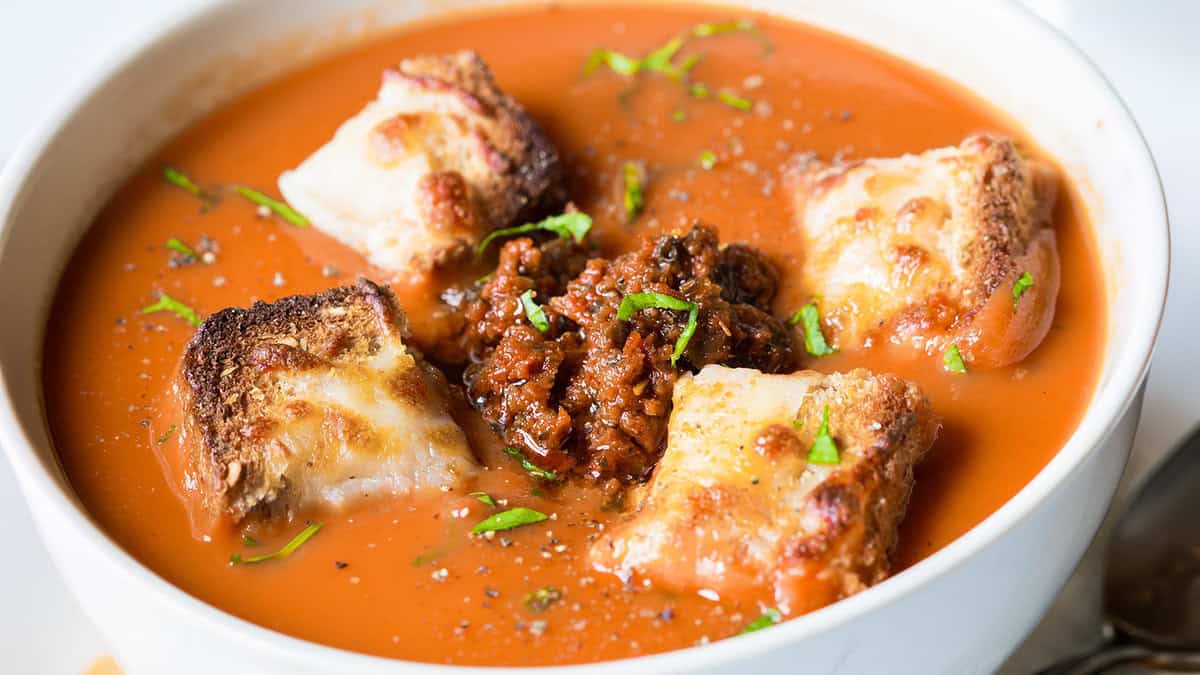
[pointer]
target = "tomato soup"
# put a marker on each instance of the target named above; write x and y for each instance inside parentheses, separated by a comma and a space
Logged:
(400, 577)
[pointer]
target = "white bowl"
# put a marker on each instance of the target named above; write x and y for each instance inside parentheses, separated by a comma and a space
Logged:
(961, 610)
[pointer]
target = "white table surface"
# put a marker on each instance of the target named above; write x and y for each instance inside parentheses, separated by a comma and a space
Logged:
(1148, 50)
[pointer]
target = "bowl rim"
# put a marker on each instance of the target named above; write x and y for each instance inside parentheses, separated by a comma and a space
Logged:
(1108, 405)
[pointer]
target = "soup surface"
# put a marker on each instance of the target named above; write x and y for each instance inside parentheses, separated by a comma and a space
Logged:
(400, 577)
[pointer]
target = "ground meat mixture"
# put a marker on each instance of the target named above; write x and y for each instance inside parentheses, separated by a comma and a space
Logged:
(592, 394)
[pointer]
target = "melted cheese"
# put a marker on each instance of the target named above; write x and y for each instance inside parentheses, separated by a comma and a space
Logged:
(361, 429)
(363, 186)
(713, 486)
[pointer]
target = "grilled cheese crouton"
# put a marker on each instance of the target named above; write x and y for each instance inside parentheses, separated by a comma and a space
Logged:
(735, 506)
(316, 400)
(441, 157)
(924, 249)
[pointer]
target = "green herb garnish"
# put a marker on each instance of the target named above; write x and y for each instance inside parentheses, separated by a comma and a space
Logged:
(824, 449)
(636, 302)
(288, 548)
(618, 62)
(484, 497)
(507, 520)
(163, 439)
(698, 90)
(247, 540)
(733, 100)
(277, 207)
(574, 225)
(660, 58)
(529, 467)
(658, 61)
(430, 556)
(707, 159)
(769, 617)
(635, 198)
(814, 339)
(679, 116)
(1022, 284)
(168, 304)
(541, 599)
(534, 312)
(718, 27)
(952, 360)
(179, 179)
(177, 245)
(679, 72)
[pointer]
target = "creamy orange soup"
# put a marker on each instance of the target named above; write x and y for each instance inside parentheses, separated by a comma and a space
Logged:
(400, 577)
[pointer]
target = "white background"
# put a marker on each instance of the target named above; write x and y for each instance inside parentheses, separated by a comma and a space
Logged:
(1148, 49)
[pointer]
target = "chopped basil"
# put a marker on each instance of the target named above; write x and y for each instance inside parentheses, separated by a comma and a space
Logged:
(484, 497)
(635, 199)
(534, 312)
(507, 520)
(952, 360)
(618, 62)
(734, 101)
(247, 540)
(769, 617)
(529, 467)
(707, 159)
(718, 27)
(177, 245)
(485, 278)
(541, 599)
(680, 71)
(660, 58)
(574, 225)
(814, 339)
(430, 556)
(679, 116)
(636, 302)
(1022, 284)
(168, 304)
(179, 179)
(163, 439)
(824, 449)
(677, 72)
(288, 548)
(277, 207)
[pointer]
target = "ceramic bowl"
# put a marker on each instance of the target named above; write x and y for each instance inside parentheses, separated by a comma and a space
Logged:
(961, 610)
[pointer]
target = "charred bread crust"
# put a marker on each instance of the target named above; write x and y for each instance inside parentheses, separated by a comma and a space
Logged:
(1014, 201)
(889, 423)
(528, 179)
(921, 249)
(226, 367)
(1007, 196)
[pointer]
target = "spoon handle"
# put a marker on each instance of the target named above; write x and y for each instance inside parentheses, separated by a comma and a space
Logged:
(1180, 662)
(1109, 655)
(1098, 660)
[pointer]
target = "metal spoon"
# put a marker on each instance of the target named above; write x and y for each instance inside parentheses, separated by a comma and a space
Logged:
(1152, 575)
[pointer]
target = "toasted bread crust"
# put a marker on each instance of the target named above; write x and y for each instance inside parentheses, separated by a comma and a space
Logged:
(528, 175)
(890, 422)
(230, 393)
(913, 249)
(737, 504)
